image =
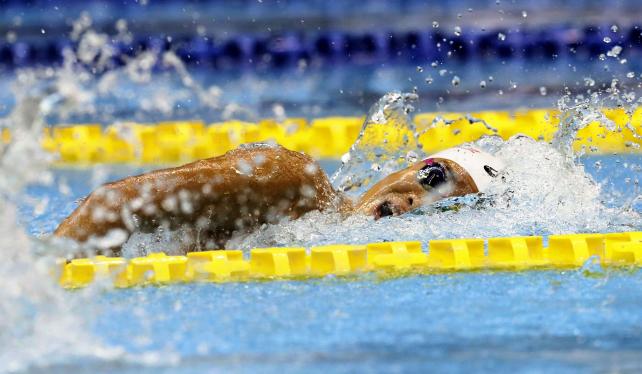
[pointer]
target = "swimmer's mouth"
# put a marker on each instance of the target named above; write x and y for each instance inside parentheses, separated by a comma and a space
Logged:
(386, 209)
(383, 210)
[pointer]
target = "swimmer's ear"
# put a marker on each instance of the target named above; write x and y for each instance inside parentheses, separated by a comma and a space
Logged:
(490, 171)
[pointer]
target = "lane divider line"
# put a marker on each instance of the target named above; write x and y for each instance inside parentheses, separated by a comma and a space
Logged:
(520, 253)
(176, 142)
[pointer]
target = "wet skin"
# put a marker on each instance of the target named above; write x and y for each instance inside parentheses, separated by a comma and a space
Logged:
(401, 192)
(238, 192)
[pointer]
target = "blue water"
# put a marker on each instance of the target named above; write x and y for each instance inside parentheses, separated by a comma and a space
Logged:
(503, 322)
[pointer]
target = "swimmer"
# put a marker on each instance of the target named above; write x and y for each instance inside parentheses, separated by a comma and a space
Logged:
(257, 184)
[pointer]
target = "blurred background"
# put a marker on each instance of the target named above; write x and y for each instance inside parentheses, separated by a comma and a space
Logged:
(266, 58)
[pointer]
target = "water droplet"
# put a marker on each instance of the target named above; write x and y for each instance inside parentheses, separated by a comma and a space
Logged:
(607, 40)
(542, 91)
(482, 84)
(501, 36)
(411, 157)
(11, 36)
(435, 24)
(524, 14)
(455, 82)
(615, 51)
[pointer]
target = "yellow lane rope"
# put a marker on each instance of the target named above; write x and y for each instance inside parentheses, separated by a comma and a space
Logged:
(392, 258)
(330, 137)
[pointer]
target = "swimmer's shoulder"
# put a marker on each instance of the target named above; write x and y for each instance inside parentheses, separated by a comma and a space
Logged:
(265, 148)
(272, 153)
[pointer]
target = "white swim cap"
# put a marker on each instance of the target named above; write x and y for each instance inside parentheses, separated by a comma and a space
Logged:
(481, 166)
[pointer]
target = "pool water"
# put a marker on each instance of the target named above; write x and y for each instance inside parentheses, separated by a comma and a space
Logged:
(507, 322)
(573, 321)
(562, 321)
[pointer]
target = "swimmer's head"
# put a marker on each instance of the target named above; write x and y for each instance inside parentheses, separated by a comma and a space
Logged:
(453, 172)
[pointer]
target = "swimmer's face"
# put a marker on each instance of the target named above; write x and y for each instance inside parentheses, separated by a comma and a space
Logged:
(422, 183)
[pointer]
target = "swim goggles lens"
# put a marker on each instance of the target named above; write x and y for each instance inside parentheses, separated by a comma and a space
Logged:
(431, 176)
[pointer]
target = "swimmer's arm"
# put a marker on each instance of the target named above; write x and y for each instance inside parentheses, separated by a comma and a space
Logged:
(274, 177)
(153, 195)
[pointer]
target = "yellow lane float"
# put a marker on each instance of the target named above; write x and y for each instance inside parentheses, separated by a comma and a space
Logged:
(330, 137)
(519, 253)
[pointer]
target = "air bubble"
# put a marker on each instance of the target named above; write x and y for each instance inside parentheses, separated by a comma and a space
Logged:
(482, 84)
(455, 82)
(606, 40)
(501, 36)
(435, 24)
